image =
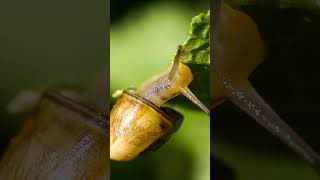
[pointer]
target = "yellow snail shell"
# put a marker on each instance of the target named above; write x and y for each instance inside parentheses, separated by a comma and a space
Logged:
(137, 125)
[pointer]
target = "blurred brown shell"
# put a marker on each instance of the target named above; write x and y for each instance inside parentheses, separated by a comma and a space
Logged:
(60, 140)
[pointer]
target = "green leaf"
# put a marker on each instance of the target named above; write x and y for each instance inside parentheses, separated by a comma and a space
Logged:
(197, 55)
(197, 46)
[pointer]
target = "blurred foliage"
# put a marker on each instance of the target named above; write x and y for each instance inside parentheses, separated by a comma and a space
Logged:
(142, 45)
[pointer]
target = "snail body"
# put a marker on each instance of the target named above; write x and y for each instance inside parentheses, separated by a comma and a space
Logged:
(238, 50)
(160, 89)
(137, 121)
(169, 84)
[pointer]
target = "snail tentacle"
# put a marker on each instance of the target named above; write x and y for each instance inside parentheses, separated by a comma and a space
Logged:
(247, 99)
(188, 93)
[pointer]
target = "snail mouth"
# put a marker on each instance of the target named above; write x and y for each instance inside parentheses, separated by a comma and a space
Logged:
(168, 113)
(90, 115)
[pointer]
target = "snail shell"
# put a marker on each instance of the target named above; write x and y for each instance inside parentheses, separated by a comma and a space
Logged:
(60, 140)
(138, 125)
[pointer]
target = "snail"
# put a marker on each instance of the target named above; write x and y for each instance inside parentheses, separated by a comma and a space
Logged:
(238, 50)
(137, 121)
(167, 85)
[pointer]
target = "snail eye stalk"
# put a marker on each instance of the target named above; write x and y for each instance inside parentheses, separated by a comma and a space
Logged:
(187, 93)
(175, 66)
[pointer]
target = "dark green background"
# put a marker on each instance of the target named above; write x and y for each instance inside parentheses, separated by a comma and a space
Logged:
(47, 44)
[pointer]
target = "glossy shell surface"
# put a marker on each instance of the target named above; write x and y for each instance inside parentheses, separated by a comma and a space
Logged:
(136, 125)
